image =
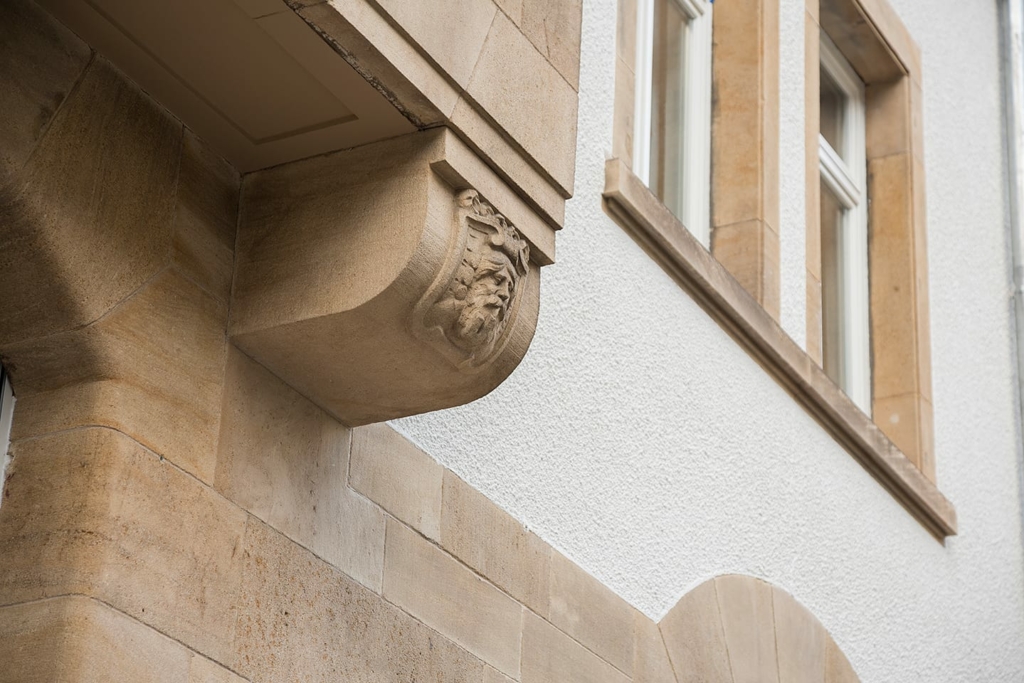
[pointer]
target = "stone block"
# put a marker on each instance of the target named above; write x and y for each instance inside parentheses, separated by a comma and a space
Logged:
(490, 541)
(513, 9)
(74, 638)
(888, 125)
(205, 216)
(378, 283)
(392, 472)
(87, 220)
(91, 512)
(444, 594)
(591, 613)
(452, 33)
(892, 258)
(554, 27)
(41, 60)
(800, 640)
(152, 368)
(625, 87)
(202, 670)
(902, 418)
(550, 655)
(302, 619)
(286, 461)
(750, 252)
(650, 658)
(529, 98)
(837, 667)
(695, 639)
(745, 605)
(492, 675)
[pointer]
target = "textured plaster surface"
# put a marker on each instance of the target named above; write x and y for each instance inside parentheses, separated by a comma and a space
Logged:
(642, 442)
(792, 176)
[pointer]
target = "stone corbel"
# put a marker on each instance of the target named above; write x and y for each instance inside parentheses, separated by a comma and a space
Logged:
(388, 280)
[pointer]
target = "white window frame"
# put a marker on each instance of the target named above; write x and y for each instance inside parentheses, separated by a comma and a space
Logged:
(844, 172)
(696, 138)
(6, 413)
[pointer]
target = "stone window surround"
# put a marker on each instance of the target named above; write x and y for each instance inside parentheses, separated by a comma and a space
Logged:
(880, 49)
(741, 294)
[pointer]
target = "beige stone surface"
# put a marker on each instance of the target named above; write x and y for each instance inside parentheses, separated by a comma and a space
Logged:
(447, 596)
(346, 274)
(513, 9)
(452, 33)
(202, 670)
(383, 53)
(286, 461)
(301, 619)
(85, 240)
(868, 52)
(550, 655)
(893, 328)
(205, 217)
(650, 658)
(625, 85)
(152, 368)
(389, 470)
(906, 420)
(888, 119)
(74, 638)
(492, 675)
(800, 640)
(541, 115)
(750, 251)
(531, 181)
(695, 638)
(625, 33)
(591, 613)
(837, 667)
(553, 26)
(490, 541)
(814, 341)
(749, 626)
(89, 511)
(42, 60)
(745, 113)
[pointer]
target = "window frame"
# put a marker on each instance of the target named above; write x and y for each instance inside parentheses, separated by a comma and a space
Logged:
(696, 135)
(844, 172)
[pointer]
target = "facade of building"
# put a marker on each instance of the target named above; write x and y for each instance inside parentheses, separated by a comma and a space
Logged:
(510, 340)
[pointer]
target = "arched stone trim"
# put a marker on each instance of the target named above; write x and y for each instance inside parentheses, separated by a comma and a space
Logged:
(739, 629)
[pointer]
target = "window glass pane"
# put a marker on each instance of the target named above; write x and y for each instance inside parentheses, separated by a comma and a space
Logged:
(667, 99)
(833, 103)
(831, 285)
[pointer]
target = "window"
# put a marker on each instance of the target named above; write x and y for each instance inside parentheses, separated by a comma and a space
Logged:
(672, 136)
(6, 411)
(871, 388)
(845, 319)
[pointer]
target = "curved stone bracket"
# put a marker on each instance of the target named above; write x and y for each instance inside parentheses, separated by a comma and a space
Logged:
(380, 282)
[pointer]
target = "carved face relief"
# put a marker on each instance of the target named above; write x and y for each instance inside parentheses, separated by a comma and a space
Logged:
(475, 308)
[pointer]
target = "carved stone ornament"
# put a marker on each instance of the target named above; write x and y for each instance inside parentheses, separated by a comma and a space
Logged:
(467, 311)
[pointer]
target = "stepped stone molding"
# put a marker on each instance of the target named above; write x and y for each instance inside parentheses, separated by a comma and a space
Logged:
(384, 281)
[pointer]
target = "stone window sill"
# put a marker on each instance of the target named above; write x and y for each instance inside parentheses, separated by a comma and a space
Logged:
(636, 209)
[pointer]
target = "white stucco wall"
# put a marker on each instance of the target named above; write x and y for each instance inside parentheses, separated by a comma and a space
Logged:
(642, 442)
